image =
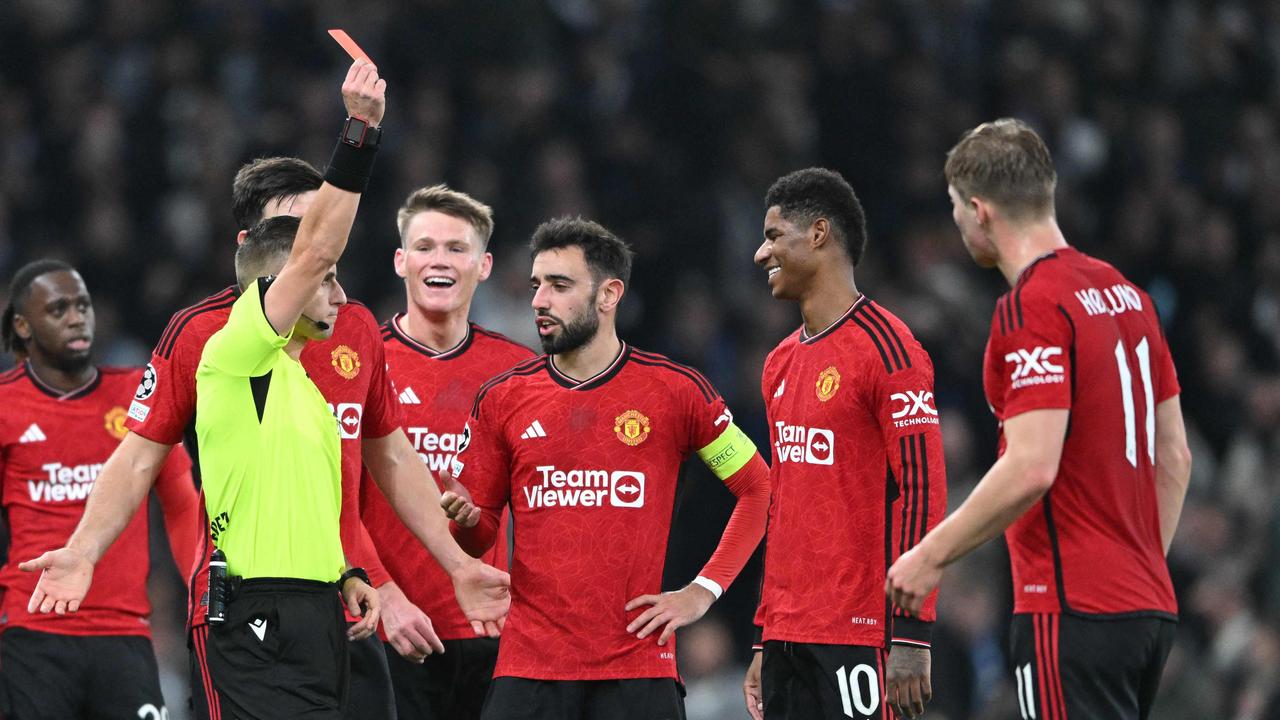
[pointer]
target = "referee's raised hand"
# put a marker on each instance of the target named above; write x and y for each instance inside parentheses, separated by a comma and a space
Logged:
(364, 93)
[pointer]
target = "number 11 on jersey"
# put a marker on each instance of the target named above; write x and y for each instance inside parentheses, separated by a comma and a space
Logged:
(1143, 351)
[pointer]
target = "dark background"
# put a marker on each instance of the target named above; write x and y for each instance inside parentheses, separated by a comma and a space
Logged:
(122, 123)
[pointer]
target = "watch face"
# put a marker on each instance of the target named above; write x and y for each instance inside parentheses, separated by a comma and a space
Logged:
(353, 133)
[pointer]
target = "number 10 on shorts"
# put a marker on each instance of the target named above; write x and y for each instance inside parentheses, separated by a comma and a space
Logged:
(851, 690)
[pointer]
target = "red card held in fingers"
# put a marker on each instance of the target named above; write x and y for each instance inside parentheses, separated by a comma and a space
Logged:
(348, 44)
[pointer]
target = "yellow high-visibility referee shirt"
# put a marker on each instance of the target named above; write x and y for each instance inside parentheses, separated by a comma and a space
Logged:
(269, 452)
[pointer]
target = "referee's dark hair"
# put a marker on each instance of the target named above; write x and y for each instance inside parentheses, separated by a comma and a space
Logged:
(805, 195)
(265, 248)
(266, 179)
(19, 290)
(608, 256)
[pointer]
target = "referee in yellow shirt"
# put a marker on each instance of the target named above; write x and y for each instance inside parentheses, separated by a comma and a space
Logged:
(270, 459)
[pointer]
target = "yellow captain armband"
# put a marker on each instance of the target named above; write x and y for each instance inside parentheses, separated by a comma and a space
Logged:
(728, 453)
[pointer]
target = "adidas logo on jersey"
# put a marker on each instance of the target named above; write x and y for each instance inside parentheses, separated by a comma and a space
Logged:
(533, 431)
(409, 397)
(32, 434)
(781, 387)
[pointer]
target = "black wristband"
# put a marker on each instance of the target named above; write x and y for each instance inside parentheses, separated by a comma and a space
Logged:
(350, 167)
(355, 572)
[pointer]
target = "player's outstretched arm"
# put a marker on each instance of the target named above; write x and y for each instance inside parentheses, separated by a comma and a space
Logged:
(483, 591)
(1173, 467)
(181, 507)
(322, 236)
(1014, 483)
(117, 493)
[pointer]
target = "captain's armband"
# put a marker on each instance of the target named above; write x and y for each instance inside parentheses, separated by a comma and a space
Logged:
(728, 453)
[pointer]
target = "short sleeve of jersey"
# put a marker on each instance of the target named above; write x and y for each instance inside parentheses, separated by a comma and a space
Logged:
(483, 461)
(1036, 358)
(166, 397)
(382, 415)
(245, 346)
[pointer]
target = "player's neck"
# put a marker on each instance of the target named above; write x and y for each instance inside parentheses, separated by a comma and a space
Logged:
(440, 332)
(1024, 244)
(591, 359)
(825, 302)
(58, 379)
(295, 345)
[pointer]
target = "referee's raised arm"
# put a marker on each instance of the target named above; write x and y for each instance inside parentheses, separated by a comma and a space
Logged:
(322, 237)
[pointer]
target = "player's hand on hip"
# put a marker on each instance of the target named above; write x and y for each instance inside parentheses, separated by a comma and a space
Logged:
(408, 629)
(909, 686)
(364, 93)
(672, 609)
(484, 594)
(362, 602)
(752, 689)
(456, 503)
(64, 581)
(911, 579)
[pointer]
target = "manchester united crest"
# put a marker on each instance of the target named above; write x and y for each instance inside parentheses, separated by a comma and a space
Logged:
(345, 361)
(113, 421)
(631, 427)
(828, 383)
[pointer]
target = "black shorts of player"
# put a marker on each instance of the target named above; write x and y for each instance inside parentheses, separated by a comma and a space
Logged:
(512, 698)
(44, 676)
(451, 686)
(369, 696)
(810, 681)
(282, 652)
(1069, 666)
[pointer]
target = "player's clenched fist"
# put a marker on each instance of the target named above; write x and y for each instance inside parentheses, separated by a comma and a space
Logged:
(456, 502)
(364, 93)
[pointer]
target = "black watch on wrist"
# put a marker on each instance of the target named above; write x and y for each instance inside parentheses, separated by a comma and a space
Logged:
(355, 572)
(358, 133)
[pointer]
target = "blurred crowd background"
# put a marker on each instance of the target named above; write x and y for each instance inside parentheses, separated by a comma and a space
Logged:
(122, 123)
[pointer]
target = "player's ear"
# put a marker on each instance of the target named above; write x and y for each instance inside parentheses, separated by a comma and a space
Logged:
(819, 233)
(982, 210)
(21, 327)
(240, 236)
(486, 266)
(610, 294)
(398, 262)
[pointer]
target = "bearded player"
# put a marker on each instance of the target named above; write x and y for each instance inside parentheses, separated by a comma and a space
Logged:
(858, 475)
(63, 417)
(437, 361)
(1093, 462)
(585, 445)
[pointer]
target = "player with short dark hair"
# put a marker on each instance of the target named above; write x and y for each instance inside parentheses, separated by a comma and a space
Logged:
(272, 186)
(585, 445)
(1093, 462)
(63, 417)
(858, 474)
(437, 361)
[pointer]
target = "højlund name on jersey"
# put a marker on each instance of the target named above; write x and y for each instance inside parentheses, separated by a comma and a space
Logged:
(436, 449)
(800, 444)
(585, 488)
(64, 482)
(1114, 300)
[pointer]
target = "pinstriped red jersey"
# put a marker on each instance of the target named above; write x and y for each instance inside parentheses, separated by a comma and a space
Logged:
(350, 371)
(590, 470)
(435, 392)
(858, 478)
(52, 447)
(1074, 334)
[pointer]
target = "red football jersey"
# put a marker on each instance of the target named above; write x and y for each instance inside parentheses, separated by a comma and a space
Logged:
(53, 446)
(436, 391)
(1074, 333)
(858, 478)
(350, 371)
(590, 471)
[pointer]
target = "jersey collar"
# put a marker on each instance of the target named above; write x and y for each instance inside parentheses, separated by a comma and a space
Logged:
(393, 325)
(808, 339)
(57, 394)
(594, 381)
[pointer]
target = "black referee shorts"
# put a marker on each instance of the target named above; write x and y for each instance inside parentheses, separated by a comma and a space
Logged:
(812, 681)
(44, 676)
(512, 698)
(451, 686)
(281, 653)
(1088, 669)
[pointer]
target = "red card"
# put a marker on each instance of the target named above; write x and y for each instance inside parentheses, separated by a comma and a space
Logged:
(348, 44)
